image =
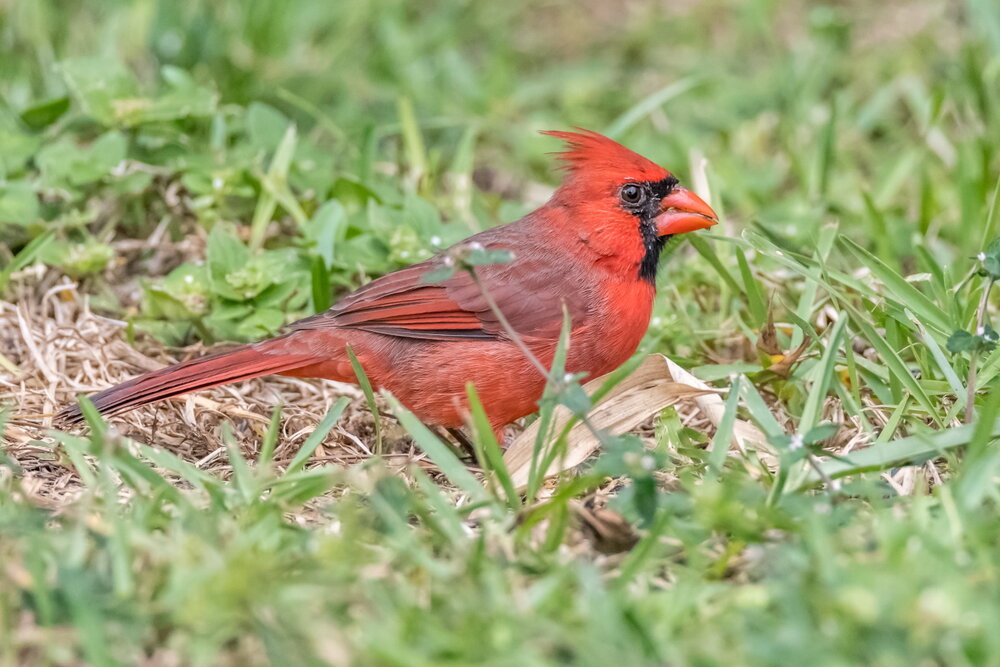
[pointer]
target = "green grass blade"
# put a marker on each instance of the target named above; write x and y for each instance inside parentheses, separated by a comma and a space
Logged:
(438, 452)
(76, 449)
(300, 487)
(901, 291)
(650, 103)
(827, 151)
(822, 378)
(270, 440)
(206, 482)
(759, 412)
(488, 449)
(366, 387)
(755, 300)
(989, 228)
(892, 423)
(319, 283)
(905, 451)
(705, 250)
(243, 476)
(957, 387)
(540, 456)
(724, 433)
(275, 184)
(316, 437)
(982, 458)
(896, 366)
(413, 140)
(25, 256)
(443, 515)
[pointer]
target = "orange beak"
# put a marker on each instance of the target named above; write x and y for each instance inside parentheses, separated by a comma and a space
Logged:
(683, 211)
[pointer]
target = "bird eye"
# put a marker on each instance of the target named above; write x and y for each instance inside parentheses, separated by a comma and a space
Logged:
(632, 194)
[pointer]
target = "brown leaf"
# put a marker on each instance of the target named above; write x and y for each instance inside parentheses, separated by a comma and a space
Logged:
(783, 365)
(713, 407)
(645, 392)
(768, 341)
(607, 530)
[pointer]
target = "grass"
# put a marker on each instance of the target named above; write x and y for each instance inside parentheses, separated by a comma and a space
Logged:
(210, 172)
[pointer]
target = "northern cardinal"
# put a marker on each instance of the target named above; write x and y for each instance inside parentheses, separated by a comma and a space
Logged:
(593, 248)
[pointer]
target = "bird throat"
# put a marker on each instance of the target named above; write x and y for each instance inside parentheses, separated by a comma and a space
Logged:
(652, 244)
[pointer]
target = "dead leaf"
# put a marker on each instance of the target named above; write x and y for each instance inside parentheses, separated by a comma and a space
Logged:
(605, 529)
(768, 341)
(645, 392)
(744, 433)
(782, 363)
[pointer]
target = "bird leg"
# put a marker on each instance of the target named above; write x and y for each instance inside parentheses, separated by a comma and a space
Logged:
(462, 439)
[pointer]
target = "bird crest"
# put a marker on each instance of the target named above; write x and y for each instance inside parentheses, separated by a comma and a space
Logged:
(593, 153)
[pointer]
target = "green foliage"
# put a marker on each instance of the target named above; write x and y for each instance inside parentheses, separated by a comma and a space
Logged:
(963, 341)
(991, 260)
(985, 338)
(101, 167)
(77, 259)
(300, 148)
(216, 573)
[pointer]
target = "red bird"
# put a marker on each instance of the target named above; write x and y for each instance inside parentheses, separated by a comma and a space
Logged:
(593, 248)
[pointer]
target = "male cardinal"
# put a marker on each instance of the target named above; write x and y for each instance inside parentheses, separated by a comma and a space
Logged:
(592, 249)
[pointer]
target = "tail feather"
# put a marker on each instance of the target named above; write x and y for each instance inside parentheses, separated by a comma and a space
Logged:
(242, 363)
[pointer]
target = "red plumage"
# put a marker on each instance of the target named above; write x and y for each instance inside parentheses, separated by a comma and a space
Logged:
(589, 249)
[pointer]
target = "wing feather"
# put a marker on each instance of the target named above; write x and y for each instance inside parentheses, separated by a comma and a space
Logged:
(530, 291)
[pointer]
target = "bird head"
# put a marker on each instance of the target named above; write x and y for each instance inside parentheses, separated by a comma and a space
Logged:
(619, 197)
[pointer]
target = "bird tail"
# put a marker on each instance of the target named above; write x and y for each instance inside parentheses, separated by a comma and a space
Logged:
(241, 363)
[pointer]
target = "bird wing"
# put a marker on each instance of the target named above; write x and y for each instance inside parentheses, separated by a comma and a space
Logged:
(529, 291)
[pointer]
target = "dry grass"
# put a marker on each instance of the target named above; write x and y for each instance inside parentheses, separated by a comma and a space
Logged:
(59, 348)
